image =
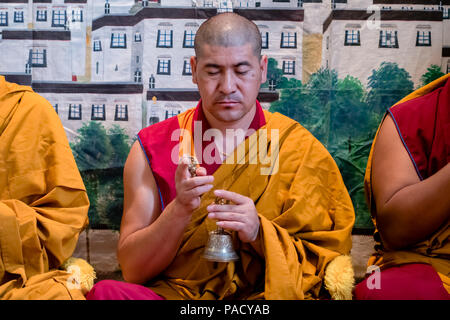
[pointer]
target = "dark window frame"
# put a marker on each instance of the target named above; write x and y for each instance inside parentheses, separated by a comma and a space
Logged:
(191, 39)
(41, 15)
(422, 39)
(350, 39)
(164, 43)
(119, 41)
(160, 61)
(3, 18)
(286, 67)
(117, 113)
(18, 16)
(385, 45)
(94, 111)
(265, 44)
(56, 17)
(77, 113)
(35, 56)
(287, 44)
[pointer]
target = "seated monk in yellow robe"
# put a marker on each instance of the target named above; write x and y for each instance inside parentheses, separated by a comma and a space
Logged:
(290, 215)
(408, 190)
(43, 201)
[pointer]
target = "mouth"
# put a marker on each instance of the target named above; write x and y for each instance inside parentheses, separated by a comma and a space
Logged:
(226, 103)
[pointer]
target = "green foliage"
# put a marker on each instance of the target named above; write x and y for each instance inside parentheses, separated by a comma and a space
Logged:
(344, 117)
(100, 155)
(387, 85)
(433, 72)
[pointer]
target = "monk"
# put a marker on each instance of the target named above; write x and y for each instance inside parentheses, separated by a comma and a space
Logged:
(408, 186)
(289, 213)
(43, 201)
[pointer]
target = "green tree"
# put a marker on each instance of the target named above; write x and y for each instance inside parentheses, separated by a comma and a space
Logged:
(433, 72)
(92, 148)
(387, 85)
(121, 147)
(274, 74)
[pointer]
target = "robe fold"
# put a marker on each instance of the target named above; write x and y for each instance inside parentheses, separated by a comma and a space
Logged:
(43, 201)
(423, 123)
(305, 211)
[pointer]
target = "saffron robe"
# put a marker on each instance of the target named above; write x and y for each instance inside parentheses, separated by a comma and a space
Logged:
(304, 208)
(43, 201)
(423, 123)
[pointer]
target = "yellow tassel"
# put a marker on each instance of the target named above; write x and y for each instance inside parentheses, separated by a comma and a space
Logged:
(82, 271)
(339, 278)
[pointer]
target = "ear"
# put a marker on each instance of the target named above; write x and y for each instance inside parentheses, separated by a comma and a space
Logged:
(194, 69)
(263, 66)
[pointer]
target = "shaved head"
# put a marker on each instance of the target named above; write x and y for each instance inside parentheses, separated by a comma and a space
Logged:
(228, 30)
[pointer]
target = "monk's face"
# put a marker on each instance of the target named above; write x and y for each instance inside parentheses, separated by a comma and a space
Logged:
(228, 79)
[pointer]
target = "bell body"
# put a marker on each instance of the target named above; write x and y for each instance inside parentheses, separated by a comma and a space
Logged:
(220, 247)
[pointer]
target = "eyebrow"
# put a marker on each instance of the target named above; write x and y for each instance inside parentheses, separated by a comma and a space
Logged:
(213, 65)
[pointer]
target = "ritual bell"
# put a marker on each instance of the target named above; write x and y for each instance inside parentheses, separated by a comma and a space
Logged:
(219, 247)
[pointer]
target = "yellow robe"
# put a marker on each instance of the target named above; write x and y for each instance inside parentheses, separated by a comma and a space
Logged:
(436, 249)
(43, 201)
(306, 219)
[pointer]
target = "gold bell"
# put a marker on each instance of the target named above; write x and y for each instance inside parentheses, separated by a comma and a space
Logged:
(219, 247)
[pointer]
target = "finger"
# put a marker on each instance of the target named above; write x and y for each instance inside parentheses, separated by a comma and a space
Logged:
(182, 171)
(233, 196)
(224, 208)
(201, 171)
(227, 216)
(197, 181)
(230, 225)
(198, 191)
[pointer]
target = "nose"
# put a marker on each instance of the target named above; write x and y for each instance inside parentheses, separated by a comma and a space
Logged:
(227, 83)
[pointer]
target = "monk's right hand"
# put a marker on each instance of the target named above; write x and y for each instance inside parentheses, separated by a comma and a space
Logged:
(189, 189)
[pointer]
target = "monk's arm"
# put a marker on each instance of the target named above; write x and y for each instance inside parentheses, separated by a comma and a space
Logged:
(148, 240)
(408, 209)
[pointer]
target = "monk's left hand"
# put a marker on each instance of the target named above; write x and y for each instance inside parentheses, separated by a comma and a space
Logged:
(241, 216)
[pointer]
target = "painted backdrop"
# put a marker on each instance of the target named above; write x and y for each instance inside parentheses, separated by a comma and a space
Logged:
(112, 67)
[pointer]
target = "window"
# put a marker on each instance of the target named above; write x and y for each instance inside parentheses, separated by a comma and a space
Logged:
(3, 18)
(74, 111)
(98, 112)
(448, 66)
(423, 39)
(107, 7)
(446, 13)
(288, 40)
(289, 67)
(97, 65)
(187, 71)
(188, 41)
(118, 40)
(172, 113)
(163, 66)
(59, 18)
(264, 40)
(388, 39)
(37, 58)
(352, 38)
(137, 76)
(151, 82)
(121, 112)
(18, 16)
(28, 68)
(137, 37)
(41, 15)
(56, 107)
(77, 15)
(97, 45)
(164, 39)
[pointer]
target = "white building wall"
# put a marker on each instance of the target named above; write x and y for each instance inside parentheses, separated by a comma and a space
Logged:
(63, 100)
(418, 58)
